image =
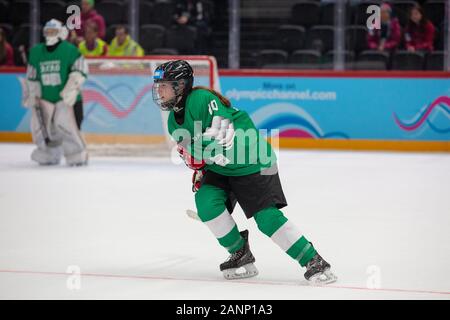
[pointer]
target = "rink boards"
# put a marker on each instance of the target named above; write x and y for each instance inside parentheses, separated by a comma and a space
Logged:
(329, 110)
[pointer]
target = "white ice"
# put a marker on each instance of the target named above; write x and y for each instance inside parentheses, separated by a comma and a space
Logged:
(381, 219)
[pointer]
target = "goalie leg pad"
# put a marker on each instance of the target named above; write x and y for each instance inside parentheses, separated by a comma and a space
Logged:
(73, 144)
(38, 128)
(47, 156)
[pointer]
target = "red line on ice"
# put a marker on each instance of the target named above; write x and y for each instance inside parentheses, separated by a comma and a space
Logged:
(275, 283)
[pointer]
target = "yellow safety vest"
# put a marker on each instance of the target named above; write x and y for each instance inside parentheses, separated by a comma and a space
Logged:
(97, 51)
(129, 48)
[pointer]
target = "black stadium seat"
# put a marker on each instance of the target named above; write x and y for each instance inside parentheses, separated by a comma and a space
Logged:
(270, 56)
(182, 38)
(327, 14)
(435, 61)
(306, 13)
(290, 37)
(52, 9)
(305, 57)
(145, 12)
(439, 37)
(369, 65)
(20, 12)
(435, 11)
(151, 36)
(162, 13)
(320, 38)
(374, 55)
(164, 52)
(373, 60)
(356, 38)
(114, 12)
(404, 60)
(349, 56)
(275, 66)
(4, 11)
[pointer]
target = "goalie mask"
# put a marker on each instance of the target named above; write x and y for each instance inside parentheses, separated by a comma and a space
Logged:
(54, 31)
(172, 83)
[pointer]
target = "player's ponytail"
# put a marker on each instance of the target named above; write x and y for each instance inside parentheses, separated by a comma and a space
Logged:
(222, 99)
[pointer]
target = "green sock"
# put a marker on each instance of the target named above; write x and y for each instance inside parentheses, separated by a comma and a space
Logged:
(232, 241)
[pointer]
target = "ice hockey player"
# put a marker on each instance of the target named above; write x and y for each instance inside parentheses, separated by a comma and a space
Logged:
(207, 128)
(55, 73)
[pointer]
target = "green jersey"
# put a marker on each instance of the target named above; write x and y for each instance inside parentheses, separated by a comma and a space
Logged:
(224, 137)
(52, 68)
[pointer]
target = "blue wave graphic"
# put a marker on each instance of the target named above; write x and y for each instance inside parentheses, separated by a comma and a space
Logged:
(436, 129)
(291, 120)
(107, 92)
(284, 120)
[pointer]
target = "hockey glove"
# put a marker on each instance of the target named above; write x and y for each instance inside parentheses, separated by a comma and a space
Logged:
(31, 92)
(189, 160)
(197, 177)
(72, 88)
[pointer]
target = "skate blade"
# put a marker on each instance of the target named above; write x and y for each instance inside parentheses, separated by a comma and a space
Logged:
(49, 164)
(232, 274)
(322, 278)
(79, 164)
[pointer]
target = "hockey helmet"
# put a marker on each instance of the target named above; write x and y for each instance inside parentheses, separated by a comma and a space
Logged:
(180, 76)
(54, 31)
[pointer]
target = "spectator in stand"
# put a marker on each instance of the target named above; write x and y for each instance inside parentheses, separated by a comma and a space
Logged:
(88, 14)
(6, 51)
(194, 13)
(92, 46)
(123, 46)
(419, 32)
(388, 37)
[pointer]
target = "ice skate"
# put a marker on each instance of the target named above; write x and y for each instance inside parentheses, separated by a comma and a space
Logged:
(318, 271)
(241, 259)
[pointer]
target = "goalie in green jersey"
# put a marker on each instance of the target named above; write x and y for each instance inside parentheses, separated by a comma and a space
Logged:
(231, 162)
(55, 72)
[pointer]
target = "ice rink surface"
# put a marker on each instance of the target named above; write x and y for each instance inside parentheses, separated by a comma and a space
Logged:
(381, 219)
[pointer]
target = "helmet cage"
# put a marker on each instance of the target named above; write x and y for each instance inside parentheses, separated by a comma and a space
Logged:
(180, 88)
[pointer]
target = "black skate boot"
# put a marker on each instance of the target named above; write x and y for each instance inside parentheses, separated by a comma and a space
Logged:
(241, 258)
(318, 271)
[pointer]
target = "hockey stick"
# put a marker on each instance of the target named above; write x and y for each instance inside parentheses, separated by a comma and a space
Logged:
(193, 215)
(230, 204)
